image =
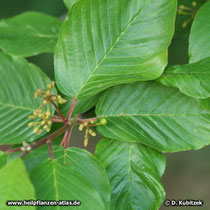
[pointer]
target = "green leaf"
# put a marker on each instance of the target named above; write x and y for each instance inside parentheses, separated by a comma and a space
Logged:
(205, 103)
(75, 175)
(29, 33)
(199, 43)
(103, 43)
(35, 157)
(155, 115)
(70, 3)
(82, 105)
(134, 172)
(18, 82)
(15, 185)
(191, 79)
(3, 159)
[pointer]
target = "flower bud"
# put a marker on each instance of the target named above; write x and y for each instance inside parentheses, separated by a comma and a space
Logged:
(49, 86)
(35, 130)
(48, 93)
(49, 122)
(103, 121)
(85, 123)
(85, 142)
(81, 126)
(194, 4)
(43, 122)
(30, 124)
(44, 102)
(48, 113)
(45, 127)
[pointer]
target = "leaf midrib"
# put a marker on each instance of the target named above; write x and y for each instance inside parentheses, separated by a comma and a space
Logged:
(143, 115)
(129, 173)
(55, 183)
(110, 49)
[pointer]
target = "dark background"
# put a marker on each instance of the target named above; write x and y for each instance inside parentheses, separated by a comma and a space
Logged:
(187, 174)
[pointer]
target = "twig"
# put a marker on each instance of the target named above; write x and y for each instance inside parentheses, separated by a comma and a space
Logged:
(56, 120)
(71, 109)
(59, 111)
(41, 142)
(64, 138)
(88, 120)
(49, 142)
(13, 150)
(66, 144)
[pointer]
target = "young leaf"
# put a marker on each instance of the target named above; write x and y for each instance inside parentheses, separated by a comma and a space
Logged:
(74, 175)
(18, 81)
(3, 159)
(82, 105)
(155, 115)
(199, 43)
(15, 184)
(191, 79)
(70, 3)
(134, 172)
(28, 34)
(104, 43)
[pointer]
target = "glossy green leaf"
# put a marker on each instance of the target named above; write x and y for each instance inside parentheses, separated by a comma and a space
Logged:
(82, 105)
(18, 82)
(15, 185)
(155, 115)
(199, 43)
(191, 79)
(29, 33)
(74, 175)
(104, 43)
(70, 3)
(134, 172)
(205, 103)
(35, 157)
(3, 159)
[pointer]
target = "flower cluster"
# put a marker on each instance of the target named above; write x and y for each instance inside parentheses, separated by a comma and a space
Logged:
(184, 10)
(43, 112)
(26, 147)
(88, 131)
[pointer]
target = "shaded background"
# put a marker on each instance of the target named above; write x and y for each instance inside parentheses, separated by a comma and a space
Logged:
(187, 174)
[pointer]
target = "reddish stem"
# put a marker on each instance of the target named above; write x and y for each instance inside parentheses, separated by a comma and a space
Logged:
(13, 150)
(43, 141)
(71, 109)
(59, 111)
(88, 120)
(56, 120)
(64, 138)
(66, 144)
(49, 142)
(55, 116)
